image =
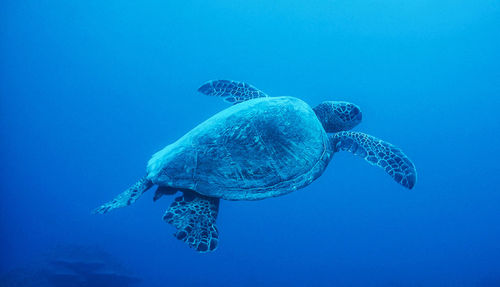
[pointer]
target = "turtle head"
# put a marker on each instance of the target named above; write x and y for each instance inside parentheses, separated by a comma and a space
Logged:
(338, 116)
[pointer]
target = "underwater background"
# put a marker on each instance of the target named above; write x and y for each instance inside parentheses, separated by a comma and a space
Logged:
(91, 89)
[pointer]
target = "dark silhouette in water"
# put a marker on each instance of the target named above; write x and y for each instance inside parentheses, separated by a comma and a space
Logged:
(73, 266)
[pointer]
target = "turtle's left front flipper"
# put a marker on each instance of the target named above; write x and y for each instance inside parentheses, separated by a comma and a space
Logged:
(231, 91)
(194, 215)
(379, 153)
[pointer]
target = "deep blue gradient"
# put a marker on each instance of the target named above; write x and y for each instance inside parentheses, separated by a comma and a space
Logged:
(91, 89)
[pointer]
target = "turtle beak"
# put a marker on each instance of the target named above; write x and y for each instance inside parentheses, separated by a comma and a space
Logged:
(356, 114)
(359, 115)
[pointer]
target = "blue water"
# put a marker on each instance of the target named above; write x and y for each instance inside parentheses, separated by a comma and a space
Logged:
(90, 90)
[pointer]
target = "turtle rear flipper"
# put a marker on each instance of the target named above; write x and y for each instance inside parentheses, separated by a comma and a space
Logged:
(194, 216)
(379, 153)
(127, 197)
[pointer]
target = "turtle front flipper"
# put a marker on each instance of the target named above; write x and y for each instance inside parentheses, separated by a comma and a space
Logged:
(231, 91)
(194, 215)
(127, 197)
(379, 153)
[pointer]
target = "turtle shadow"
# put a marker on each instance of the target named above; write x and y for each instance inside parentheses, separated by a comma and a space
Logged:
(71, 266)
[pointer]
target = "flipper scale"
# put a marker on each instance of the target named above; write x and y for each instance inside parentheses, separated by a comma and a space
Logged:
(127, 197)
(377, 152)
(194, 216)
(231, 91)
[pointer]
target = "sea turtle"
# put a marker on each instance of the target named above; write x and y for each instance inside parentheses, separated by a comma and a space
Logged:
(258, 148)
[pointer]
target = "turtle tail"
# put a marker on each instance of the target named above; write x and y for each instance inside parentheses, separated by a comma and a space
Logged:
(127, 197)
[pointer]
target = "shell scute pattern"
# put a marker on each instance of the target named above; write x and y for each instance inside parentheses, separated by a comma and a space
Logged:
(257, 151)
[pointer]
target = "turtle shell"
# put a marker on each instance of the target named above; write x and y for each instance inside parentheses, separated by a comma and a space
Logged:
(253, 150)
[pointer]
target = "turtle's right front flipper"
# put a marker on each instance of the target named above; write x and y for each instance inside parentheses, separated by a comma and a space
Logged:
(194, 215)
(379, 153)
